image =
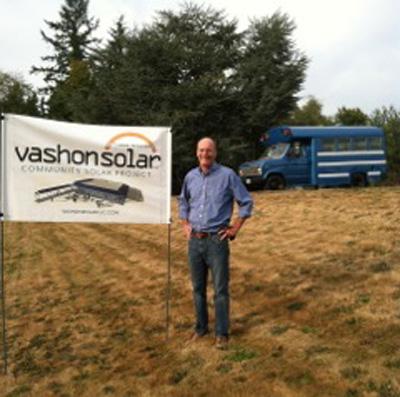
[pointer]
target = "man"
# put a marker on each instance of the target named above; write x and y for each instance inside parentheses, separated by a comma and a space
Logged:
(206, 205)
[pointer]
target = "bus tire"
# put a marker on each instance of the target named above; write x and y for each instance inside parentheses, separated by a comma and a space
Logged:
(359, 179)
(275, 182)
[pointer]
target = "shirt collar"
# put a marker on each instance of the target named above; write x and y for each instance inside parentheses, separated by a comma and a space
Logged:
(213, 168)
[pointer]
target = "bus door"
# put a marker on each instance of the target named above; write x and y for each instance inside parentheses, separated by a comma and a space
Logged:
(298, 166)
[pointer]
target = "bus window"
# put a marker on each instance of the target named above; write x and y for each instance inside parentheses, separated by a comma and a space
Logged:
(296, 150)
(375, 143)
(275, 151)
(343, 144)
(359, 143)
(328, 144)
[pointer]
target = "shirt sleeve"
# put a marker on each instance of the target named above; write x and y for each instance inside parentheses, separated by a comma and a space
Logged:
(241, 196)
(184, 200)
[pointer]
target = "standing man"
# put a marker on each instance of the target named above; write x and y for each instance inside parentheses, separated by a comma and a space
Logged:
(206, 205)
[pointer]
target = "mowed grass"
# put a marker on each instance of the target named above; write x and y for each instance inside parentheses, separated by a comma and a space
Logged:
(315, 304)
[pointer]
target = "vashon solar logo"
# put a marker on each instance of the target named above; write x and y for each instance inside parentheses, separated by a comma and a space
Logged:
(127, 153)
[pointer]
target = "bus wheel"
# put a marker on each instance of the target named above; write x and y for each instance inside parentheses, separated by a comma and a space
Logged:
(358, 179)
(275, 182)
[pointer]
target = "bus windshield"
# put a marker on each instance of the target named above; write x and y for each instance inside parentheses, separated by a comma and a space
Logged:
(275, 151)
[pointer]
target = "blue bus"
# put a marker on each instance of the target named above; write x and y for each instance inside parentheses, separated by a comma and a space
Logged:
(317, 156)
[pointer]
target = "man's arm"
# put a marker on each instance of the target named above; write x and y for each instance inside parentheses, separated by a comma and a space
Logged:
(187, 228)
(184, 209)
(245, 202)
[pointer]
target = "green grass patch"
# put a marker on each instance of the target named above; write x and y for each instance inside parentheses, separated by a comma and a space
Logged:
(279, 329)
(388, 390)
(109, 389)
(82, 376)
(309, 330)
(393, 364)
(178, 375)
(363, 299)
(302, 378)
(55, 387)
(122, 335)
(351, 373)
(224, 368)
(352, 393)
(380, 267)
(353, 322)
(343, 309)
(19, 391)
(37, 341)
(240, 354)
(277, 352)
(317, 349)
(27, 364)
(295, 306)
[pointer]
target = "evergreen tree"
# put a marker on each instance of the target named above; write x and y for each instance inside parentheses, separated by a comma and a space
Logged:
(271, 72)
(189, 57)
(109, 81)
(70, 99)
(72, 43)
(173, 72)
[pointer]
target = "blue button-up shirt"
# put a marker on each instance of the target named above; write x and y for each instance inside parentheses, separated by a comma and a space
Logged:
(206, 200)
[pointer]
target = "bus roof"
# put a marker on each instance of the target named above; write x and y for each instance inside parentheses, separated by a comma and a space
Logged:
(288, 133)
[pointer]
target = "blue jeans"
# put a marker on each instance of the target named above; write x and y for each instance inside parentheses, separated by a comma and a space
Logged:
(213, 253)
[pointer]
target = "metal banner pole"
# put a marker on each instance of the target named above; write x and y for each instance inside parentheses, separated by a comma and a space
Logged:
(168, 282)
(2, 292)
(3, 303)
(168, 291)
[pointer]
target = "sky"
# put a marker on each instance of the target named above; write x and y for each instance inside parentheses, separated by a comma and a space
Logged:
(353, 45)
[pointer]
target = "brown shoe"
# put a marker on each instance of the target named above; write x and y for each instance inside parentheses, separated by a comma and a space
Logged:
(195, 337)
(221, 342)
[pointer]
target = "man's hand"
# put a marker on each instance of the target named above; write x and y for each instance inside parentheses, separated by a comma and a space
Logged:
(187, 229)
(229, 233)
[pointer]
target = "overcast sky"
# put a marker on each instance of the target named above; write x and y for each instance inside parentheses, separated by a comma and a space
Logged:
(353, 45)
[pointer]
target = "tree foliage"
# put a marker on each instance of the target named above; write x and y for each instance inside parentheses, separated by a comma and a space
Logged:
(388, 118)
(271, 72)
(176, 71)
(16, 96)
(72, 43)
(351, 116)
(190, 69)
(309, 114)
(110, 88)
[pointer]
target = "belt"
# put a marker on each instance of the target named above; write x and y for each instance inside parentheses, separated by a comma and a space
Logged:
(201, 234)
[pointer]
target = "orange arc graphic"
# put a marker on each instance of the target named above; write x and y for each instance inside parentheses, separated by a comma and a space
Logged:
(130, 134)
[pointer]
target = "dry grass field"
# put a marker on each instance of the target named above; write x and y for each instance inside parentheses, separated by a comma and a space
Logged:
(315, 305)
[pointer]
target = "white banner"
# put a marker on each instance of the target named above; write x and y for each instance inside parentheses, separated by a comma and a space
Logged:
(65, 172)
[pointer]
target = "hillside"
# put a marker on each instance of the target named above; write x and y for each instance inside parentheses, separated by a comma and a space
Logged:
(315, 304)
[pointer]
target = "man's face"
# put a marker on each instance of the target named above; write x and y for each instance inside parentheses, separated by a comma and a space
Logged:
(206, 153)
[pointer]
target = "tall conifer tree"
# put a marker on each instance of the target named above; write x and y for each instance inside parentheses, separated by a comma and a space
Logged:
(71, 40)
(66, 70)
